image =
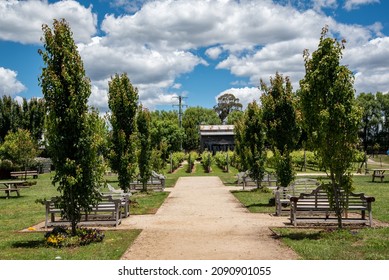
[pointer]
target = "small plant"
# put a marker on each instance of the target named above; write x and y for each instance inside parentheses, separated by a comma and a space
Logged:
(207, 161)
(61, 237)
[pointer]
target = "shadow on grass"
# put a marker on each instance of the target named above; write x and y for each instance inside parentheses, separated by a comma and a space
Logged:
(259, 205)
(300, 235)
(29, 244)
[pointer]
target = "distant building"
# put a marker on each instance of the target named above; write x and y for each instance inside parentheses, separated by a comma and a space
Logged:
(216, 138)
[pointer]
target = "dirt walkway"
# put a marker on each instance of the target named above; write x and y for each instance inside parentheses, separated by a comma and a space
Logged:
(202, 220)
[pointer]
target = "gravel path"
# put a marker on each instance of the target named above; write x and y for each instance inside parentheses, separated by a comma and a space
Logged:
(202, 220)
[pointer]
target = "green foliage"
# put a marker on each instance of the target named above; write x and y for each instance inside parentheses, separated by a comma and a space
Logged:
(280, 118)
(207, 160)
(223, 159)
(234, 116)
(330, 114)
(144, 158)
(284, 168)
(29, 115)
(122, 101)
(371, 118)
(19, 147)
(176, 159)
(279, 114)
(250, 142)
(71, 129)
(166, 134)
(226, 104)
(191, 158)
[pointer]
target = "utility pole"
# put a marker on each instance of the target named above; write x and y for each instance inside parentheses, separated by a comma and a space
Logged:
(180, 106)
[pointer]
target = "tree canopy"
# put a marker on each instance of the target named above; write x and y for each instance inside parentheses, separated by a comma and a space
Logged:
(123, 103)
(70, 126)
(226, 104)
(330, 114)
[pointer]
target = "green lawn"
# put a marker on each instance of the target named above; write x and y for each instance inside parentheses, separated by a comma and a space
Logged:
(319, 244)
(19, 213)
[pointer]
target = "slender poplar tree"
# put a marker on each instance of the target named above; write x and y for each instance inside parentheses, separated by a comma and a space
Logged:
(70, 127)
(331, 116)
(123, 103)
(144, 158)
(280, 118)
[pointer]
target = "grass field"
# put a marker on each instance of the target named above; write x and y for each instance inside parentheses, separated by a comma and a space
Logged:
(18, 213)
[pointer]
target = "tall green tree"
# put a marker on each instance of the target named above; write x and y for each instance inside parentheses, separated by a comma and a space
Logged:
(280, 119)
(123, 103)
(144, 158)
(20, 148)
(70, 126)
(330, 115)
(226, 104)
(9, 117)
(29, 115)
(371, 119)
(250, 142)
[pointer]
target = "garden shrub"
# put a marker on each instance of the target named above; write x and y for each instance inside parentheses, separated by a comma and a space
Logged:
(207, 161)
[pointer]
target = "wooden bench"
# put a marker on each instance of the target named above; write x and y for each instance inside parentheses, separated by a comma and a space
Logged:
(25, 174)
(12, 186)
(124, 198)
(315, 208)
(156, 182)
(282, 194)
(268, 180)
(106, 212)
(379, 173)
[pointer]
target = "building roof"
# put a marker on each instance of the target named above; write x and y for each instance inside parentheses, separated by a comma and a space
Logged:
(216, 130)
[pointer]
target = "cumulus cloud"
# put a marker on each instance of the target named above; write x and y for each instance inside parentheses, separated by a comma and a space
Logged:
(355, 4)
(21, 21)
(214, 52)
(9, 84)
(158, 41)
(155, 44)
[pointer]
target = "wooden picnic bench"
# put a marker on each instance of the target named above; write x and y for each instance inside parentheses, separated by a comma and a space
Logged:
(283, 194)
(105, 212)
(315, 208)
(156, 182)
(12, 186)
(379, 173)
(24, 174)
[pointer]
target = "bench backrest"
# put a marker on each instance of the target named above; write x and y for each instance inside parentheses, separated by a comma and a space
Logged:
(297, 187)
(320, 197)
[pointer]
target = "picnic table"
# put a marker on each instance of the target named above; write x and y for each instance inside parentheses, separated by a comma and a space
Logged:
(11, 186)
(379, 173)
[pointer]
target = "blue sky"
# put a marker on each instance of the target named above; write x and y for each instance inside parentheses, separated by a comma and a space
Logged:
(198, 49)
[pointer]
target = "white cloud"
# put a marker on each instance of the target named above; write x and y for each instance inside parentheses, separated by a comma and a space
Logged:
(354, 4)
(246, 95)
(21, 21)
(158, 43)
(214, 52)
(257, 38)
(9, 84)
(318, 5)
(370, 62)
